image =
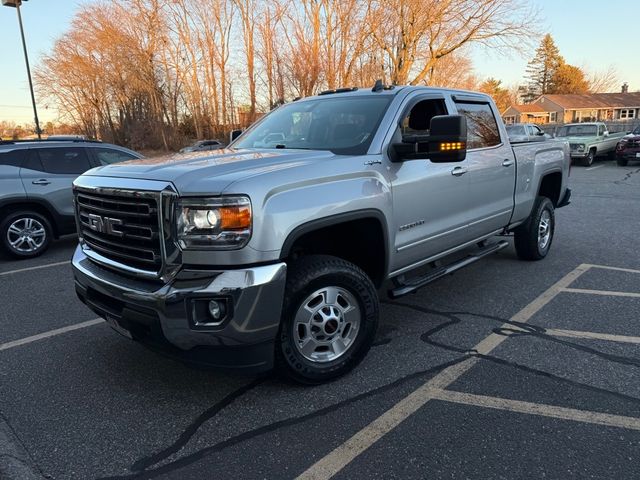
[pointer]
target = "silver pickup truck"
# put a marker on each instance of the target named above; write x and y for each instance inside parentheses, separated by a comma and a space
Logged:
(254, 258)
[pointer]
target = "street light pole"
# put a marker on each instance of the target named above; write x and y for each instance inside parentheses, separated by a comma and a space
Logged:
(16, 4)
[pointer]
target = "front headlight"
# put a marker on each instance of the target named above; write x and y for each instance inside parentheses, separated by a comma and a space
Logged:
(222, 223)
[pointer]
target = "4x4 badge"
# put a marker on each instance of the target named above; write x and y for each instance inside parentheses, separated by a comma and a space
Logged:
(105, 225)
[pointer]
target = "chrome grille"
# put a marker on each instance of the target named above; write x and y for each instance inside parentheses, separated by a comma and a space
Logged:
(122, 228)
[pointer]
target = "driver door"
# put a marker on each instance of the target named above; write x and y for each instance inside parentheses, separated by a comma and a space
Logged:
(430, 201)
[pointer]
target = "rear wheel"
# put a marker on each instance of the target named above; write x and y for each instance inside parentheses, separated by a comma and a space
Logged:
(25, 234)
(533, 238)
(329, 319)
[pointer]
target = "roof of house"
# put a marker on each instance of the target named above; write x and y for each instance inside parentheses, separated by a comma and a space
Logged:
(594, 100)
(529, 108)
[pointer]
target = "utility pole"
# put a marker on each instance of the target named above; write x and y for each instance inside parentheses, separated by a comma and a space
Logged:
(16, 4)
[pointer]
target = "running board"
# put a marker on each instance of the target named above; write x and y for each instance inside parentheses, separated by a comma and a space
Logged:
(404, 287)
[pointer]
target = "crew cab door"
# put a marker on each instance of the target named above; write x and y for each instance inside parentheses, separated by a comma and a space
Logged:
(430, 201)
(491, 166)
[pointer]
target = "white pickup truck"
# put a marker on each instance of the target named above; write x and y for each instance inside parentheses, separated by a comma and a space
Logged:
(256, 257)
(589, 140)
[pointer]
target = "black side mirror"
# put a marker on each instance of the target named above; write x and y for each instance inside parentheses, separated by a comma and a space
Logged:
(235, 134)
(446, 142)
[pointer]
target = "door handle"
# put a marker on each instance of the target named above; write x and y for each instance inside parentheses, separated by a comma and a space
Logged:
(458, 171)
(42, 181)
(507, 162)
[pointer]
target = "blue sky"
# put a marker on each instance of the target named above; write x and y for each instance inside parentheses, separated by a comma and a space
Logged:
(589, 34)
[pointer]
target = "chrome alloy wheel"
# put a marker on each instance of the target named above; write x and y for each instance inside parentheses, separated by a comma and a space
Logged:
(26, 235)
(544, 230)
(326, 324)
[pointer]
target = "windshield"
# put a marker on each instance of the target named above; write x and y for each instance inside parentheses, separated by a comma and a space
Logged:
(342, 125)
(515, 130)
(578, 131)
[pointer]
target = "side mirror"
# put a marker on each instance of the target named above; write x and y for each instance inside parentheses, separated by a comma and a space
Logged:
(235, 134)
(446, 142)
(606, 134)
(540, 133)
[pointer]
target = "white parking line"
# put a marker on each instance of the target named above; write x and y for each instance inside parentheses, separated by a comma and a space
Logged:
(610, 293)
(37, 267)
(592, 335)
(594, 168)
(50, 333)
(340, 457)
(584, 416)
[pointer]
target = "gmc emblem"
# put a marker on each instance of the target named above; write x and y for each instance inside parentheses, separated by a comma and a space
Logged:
(105, 225)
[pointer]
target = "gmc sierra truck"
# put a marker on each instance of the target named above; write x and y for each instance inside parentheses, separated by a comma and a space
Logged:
(257, 258)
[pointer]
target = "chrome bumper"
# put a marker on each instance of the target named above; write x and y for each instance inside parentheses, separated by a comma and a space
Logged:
(171, 315)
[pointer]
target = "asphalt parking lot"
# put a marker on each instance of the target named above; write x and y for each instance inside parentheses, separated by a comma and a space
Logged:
(504, 370)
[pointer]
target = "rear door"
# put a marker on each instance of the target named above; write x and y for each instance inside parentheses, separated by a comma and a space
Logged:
(492, 168)
(48, 173)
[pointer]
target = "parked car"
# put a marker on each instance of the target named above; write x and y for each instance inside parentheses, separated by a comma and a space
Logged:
(526, 132)
(36, 201)
(628, 148)
(589, 140)
(256, 258)
(203, 146)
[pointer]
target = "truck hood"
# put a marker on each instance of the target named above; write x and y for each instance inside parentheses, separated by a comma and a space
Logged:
(207, 173)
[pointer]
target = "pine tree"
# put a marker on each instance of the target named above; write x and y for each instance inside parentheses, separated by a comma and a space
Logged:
(542, 67)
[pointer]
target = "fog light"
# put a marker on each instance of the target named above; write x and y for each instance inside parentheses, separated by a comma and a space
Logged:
(216, 310)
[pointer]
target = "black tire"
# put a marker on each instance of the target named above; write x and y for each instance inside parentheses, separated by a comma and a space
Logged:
(305, 277)
(17, 217)
(526, 236)
(588, 161)
(622, 162)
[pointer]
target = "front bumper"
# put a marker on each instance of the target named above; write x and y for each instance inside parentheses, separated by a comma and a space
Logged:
(628, 154)
(169, 317)
(579, 154)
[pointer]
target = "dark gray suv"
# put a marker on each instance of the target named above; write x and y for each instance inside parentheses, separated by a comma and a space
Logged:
(36, 201)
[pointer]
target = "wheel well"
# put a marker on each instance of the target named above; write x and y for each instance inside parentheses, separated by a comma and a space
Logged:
(34, 207)
(550, 187)
(361, 242)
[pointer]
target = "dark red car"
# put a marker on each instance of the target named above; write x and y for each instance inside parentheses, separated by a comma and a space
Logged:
(628, 148)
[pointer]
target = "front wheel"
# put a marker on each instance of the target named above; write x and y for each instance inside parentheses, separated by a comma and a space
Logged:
(588, 161)
(533, 238)
(329, 319)
(25, 234)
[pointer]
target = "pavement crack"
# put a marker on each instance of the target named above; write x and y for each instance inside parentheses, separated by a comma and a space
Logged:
(627, 177)
(250, 434)
(191, 430)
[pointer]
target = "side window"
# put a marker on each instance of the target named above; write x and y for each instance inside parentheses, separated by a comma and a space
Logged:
(601, 130)
(418, 120)
(12, 158)
(107, 156)
(482, 128)
(69, 161)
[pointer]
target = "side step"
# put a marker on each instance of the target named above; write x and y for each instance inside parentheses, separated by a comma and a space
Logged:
(404, 287)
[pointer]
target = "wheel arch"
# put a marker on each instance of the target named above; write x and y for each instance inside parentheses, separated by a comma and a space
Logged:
(366, 229)
(11, 205)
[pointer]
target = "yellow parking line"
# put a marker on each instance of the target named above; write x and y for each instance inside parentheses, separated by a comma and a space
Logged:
(610, 293)
(592, 335)
(336, 460)
(552, 411)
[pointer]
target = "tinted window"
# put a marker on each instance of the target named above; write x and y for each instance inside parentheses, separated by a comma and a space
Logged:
(341, 124)
(107, 156)
(64, 160)
(12, 158)
(482, 128)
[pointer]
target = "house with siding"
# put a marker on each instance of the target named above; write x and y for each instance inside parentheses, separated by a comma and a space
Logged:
(602, 107)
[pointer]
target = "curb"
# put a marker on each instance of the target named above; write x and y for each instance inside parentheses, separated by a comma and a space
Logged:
(15, 463)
